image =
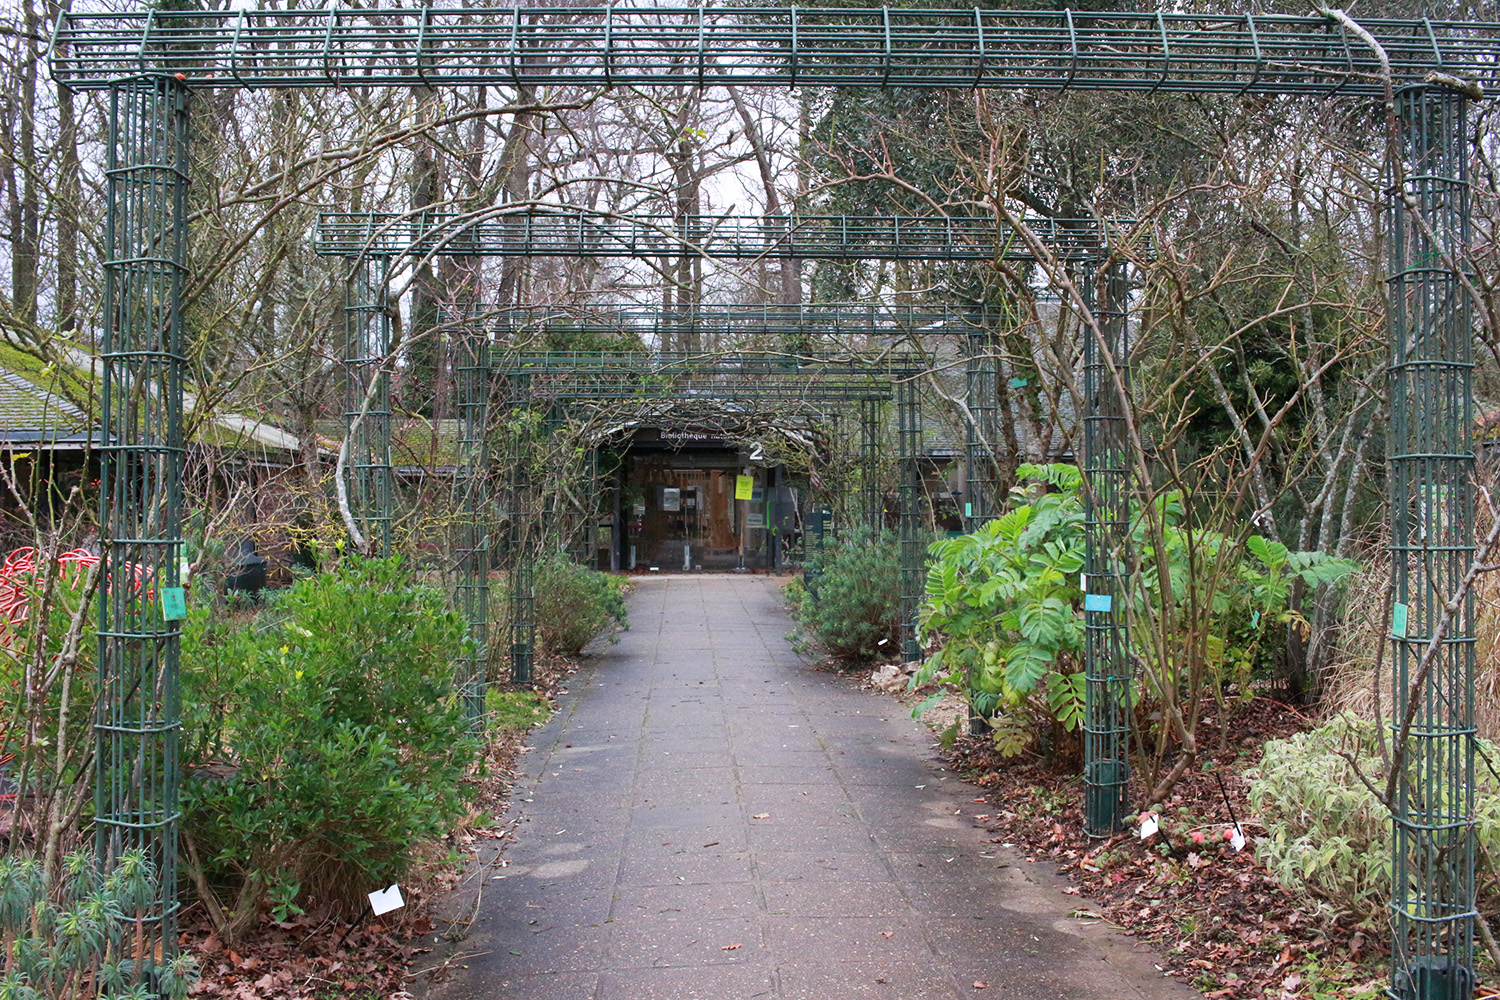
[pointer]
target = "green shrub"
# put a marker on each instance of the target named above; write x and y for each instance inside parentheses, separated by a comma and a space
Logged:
(1001, 602)
(1327, 833)
(73, 937)
(857, 600)
(574, 605)
(322, 742)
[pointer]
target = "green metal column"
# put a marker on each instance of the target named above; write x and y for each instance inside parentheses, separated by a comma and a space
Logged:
(592, 492)
(869, 454)
(982, 397)
(909, 442)
(522, 554)
(367, 390)
(1432, 549)
(1106, 474)
(471, 369)
(140, 494)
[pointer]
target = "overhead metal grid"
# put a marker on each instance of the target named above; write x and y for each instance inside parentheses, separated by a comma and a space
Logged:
(730, 324)
(562, 232)
(765, 46)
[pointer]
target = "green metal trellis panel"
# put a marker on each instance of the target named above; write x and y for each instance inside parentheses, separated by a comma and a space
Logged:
(140, 491)
(765, 46)
(562, 232)
(1431, 450)
(1107, 569)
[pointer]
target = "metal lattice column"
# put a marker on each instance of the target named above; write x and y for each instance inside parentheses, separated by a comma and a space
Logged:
(472, 373)
(909, 443)
(522, 549)
(982, 397)
(140, 511)
(869, 455)
(1432, 538)
(1106, 458)
(367, 391)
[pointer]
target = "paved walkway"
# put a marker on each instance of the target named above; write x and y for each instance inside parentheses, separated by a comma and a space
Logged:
(709, 819)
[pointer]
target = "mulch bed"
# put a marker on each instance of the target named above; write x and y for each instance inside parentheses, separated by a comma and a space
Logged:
(321, 956)
(1222, 924)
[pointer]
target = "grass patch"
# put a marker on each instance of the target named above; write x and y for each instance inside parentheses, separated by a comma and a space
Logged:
(516, 711)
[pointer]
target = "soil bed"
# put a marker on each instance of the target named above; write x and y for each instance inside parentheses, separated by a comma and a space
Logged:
(1221, 922)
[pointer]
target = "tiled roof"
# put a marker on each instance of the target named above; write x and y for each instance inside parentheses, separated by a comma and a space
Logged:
(30, 414)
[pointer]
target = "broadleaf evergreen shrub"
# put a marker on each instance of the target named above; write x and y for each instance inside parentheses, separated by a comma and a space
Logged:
(857, 600)
(322, 742)
(575, 605)
(1329, 834)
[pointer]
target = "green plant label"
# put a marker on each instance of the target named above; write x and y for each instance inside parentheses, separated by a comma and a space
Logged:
(1255, 619)
(1097, 602)
(1018, 383)
(173, 604)
(744, 487)
(1398, 621)
(968, 509)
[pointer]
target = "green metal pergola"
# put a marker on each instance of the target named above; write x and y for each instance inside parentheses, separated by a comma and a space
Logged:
(365, 238)
(150, 61)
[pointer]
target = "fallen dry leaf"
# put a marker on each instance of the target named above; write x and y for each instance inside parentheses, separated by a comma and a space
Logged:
(761, 816)
(887, 934)
(981, 986)
(729, 947)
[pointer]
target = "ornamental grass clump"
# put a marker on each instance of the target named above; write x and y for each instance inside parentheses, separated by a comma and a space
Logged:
(323, 743)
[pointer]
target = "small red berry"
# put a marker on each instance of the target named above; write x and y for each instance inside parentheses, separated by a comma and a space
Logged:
(1229, 833)
(1198, 837)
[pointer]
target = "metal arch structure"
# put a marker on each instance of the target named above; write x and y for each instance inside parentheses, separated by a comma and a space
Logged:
(767, 47)
(538, 232)
(750, 378)
(149, 61)
(365, 238)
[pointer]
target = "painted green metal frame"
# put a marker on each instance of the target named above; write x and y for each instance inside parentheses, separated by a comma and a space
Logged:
(560, 232)
(471, 371)
(140, 490)
(148, 60)
(1107, 558)
(766, 47)
(368, 476)
(1431, 453)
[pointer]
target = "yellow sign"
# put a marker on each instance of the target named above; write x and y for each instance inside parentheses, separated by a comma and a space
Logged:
(744, 487)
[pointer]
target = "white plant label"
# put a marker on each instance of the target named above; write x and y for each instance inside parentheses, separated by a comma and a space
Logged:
(1237, 840)
(1149, 825)
(386, 900)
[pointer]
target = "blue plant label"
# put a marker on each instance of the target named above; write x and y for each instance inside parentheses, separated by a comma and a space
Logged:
(173, 604)
(1098, 602)
(1018, 383)
(1398, 621)
(968, 509)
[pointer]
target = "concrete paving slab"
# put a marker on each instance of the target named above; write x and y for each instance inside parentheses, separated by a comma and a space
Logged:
(709, 818)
